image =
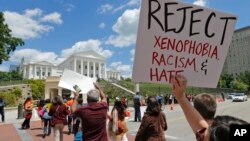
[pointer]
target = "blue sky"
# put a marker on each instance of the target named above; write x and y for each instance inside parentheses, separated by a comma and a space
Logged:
(54, 29)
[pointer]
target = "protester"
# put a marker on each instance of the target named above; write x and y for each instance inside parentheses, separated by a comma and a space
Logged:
(137, 105)
(93, 116)
(2, 104)
(77, 120)
(206, 105)
(117, 123)
(219, 130)
(40, 105)
(107, 101)
(159, 98)
(70, 116)
(27, 113)
(153, 123)
(46, 118)
(124, 101)
(222, 96)
(59, 113)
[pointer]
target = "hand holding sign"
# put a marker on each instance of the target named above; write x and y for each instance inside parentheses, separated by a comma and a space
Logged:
(177, 38)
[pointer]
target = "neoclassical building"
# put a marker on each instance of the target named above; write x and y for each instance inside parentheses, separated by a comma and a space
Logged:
(39, 70)
(88, 63)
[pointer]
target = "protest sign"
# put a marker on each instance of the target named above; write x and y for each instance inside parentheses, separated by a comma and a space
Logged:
(70, 78)
(177, 38)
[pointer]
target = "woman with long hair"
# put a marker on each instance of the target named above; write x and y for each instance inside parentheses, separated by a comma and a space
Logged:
(153, 123)
(117, 123)
(27, 106)
(59, 113)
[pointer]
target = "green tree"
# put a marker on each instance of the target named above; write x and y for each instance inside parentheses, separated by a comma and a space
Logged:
(15, 75)
(17, 92)
(4, 76)
(239, 85)
(245, 77)
(7, 42)
(225, 80)
(8, 76)
(37, 88)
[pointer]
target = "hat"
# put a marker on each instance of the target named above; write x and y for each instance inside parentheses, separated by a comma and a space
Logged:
(93, 95)
(71, 96)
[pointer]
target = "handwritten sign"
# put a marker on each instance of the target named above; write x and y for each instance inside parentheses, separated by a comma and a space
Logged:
(177, 38)
(70, 78)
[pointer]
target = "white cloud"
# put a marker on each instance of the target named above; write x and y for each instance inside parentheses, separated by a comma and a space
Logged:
(69, 7)
(200, 2)
(130, 3)
(4, 68)
(33, 55)
(93, 44)
(28, 25)
(53, 18)
(124, 69)
(132, 53)
(33, 12)
(105, 8)
(102, 25)
(126, 28)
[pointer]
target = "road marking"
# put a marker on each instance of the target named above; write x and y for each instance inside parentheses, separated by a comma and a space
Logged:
(171, 137)
(175, 119)
(22, 133)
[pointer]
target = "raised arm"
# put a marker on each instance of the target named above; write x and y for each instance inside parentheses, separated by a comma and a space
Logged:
(102, 95)
(193, 117)
(74, 105)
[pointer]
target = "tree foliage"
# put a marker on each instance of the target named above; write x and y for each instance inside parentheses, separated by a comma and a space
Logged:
(37, 88)
(245, 77)
(9, 76)
(12, 97)
(7, 42)
(225, 81)
(239, 85)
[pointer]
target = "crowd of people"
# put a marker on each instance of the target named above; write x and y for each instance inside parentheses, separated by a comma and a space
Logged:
(89, 120)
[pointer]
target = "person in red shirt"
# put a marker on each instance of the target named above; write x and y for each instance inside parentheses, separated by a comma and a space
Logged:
(27, 106)
(93, 116)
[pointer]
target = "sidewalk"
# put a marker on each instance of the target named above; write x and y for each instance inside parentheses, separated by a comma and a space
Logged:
(10, 129)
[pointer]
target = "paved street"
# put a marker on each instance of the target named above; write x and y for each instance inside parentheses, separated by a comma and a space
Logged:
(178, 128)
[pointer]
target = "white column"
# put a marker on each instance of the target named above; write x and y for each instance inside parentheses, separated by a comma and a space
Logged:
(82, 67)
(105, 76)
(24, 72)
(94, 70)
(41, 70)
(74, 65)
(99, 70)
(46, 72)
(60, 91)
(88, 68)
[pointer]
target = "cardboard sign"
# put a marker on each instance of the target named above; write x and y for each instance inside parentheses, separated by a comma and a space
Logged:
(177, 38)
(70, 78)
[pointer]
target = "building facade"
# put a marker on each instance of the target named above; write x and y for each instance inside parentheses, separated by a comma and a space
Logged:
(39, 70)
(88, 63)
(237, 60)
